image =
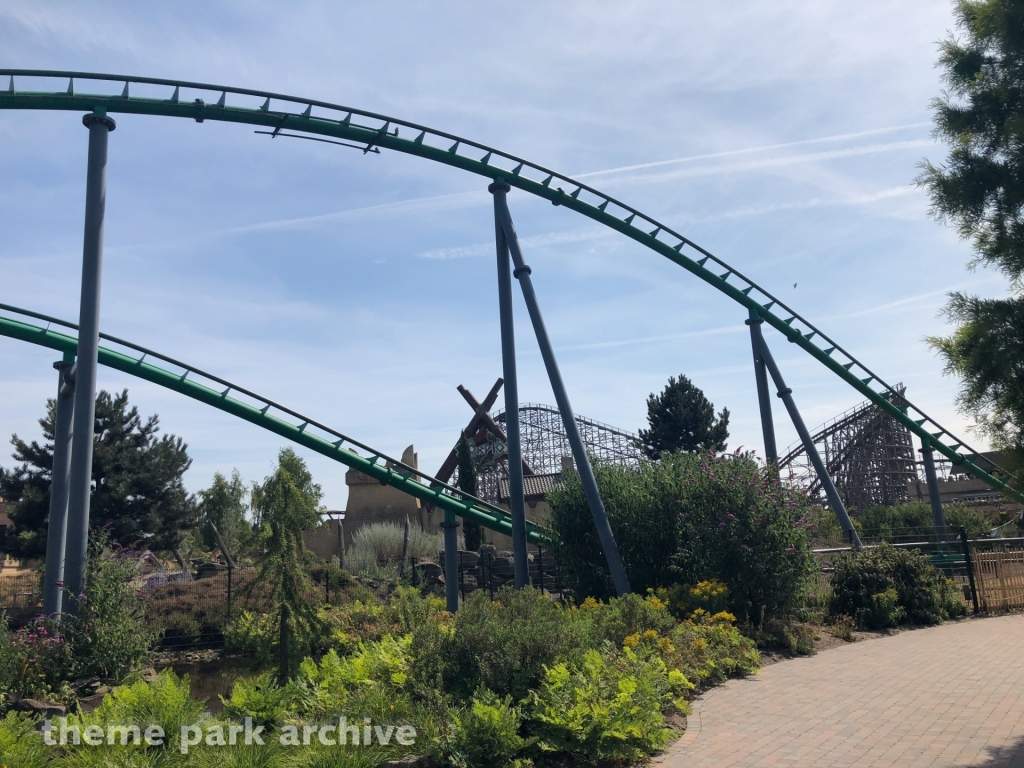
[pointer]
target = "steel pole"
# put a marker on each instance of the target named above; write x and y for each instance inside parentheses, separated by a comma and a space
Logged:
(516, 501)
(57, 522)
(938, 516)
(572, 432)
(805, 437)
(451, 561)
(80, 482)
(764, 400)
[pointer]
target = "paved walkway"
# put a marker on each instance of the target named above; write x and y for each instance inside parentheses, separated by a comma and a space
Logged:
(942, 696)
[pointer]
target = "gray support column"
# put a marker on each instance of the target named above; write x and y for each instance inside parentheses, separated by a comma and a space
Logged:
(764, 400)
(57, 523)
(938, 516)
(516, 501)
(805, 437)
(579, 453)
(80, 483)
(451, 561)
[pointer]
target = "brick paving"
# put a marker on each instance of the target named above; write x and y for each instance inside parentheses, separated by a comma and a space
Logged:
(951, 695)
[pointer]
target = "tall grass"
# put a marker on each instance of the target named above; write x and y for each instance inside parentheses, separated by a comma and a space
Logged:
(377, 548)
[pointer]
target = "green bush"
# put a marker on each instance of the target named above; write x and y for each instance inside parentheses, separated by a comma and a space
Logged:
(377, 548)
(20, 742)
(109, 637)
(502, 645)
(864, 582)
(686, 519)
(914, 518)
(607, 707)
(487, 732)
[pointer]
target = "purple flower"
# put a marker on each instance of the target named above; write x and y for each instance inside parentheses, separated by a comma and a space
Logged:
(731, 516)
(59, 583)
(721, 525)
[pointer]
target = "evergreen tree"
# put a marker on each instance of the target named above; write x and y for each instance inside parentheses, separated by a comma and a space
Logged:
(284, 505)
(467, 482)
(137, 488)
(980, 190)
(224, 505)
(682, 419)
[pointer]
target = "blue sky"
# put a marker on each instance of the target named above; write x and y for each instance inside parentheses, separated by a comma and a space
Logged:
(360, 290)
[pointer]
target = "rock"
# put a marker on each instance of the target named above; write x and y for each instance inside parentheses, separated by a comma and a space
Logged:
(40, 708)
(429, 571)
(91, 703)
(410, 762)
(468, 583)
(148, 675)
(468, 560)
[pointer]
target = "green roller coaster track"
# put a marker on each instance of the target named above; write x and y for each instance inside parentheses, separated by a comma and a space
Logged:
(306, 432)
(373, 132)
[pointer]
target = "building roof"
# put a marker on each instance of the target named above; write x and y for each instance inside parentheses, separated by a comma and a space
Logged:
(535, 487)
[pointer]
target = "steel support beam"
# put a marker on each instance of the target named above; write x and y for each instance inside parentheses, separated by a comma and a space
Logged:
(786, 394)
(572, 432)
(516, 501)
(57, 521)
(80, 482)
(938, 516)
(764, 400)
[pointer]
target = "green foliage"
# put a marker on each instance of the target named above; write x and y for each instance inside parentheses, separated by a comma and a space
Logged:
(224, 505)
(607, 707)
(138, 492)
(109, 636)
(986, 351)
(284, 506)
(502, 645)
(843, 628)
(254, 635)
(883, 586)
(619, 618)
(487, 732)
(166, 702)
(688, 519)
(20, 743)
(377, 548)
(684, 601)
(681, 418)
(980, 115)
(467, 482)
(914, 519)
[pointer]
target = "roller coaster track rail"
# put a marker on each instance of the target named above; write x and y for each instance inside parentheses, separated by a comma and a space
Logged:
(263, 412)
(375, 132)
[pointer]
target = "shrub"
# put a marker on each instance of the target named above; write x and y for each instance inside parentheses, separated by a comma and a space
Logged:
(487, 732)
(20, 743)
(620, 617)
(503, 645)
(914, 518)
(883, 586)
(255, 635)
(377, 548)
(709, 651)
(842, 628)
(109, 637)
(607, 707)
(708, 597)
(166, 702)
(687, 519)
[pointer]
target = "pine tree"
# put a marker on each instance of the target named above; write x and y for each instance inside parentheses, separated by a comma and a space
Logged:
(980, 190)
(138, 492)
(285, 505)
(682, 419)
(467, 482)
